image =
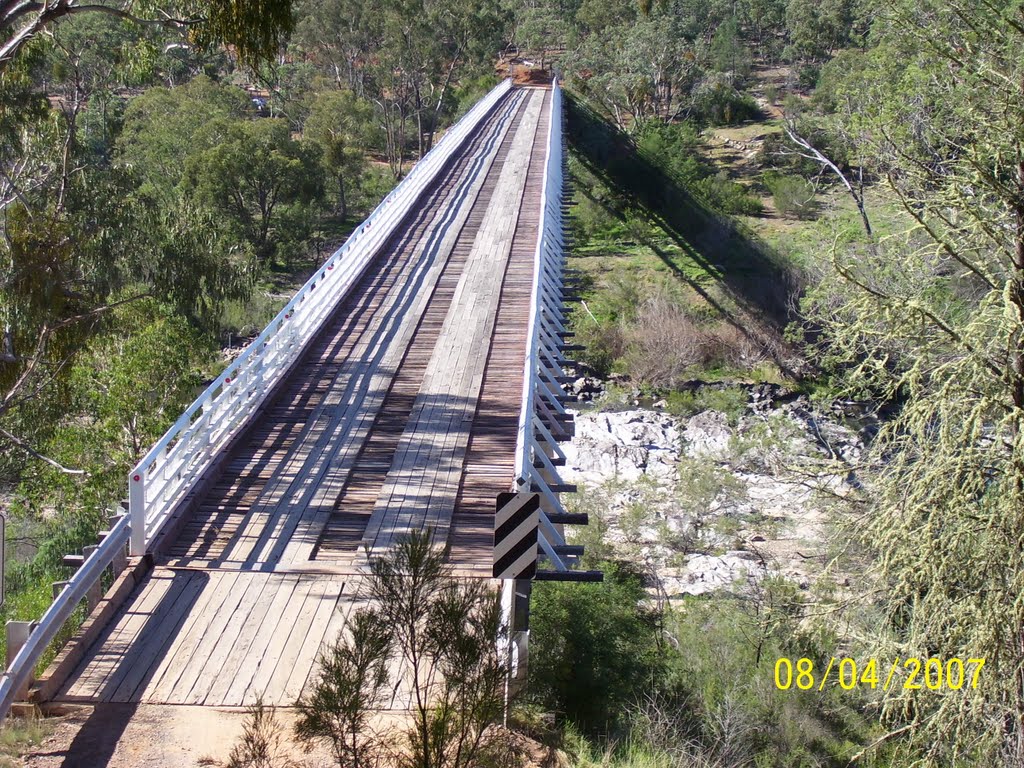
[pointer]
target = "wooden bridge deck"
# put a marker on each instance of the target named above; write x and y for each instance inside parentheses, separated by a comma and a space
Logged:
(401, 415)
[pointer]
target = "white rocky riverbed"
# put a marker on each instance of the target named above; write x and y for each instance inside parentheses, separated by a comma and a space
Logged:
(710, 504)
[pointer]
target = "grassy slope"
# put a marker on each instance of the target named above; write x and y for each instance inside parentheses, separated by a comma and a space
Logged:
(746, 272)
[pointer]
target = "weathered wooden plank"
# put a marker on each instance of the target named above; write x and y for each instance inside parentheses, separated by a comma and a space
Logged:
(250, 663)
(109, 651)
(332, 605)
(423, 483)
(228, 639)
(186, 665)
(288, 631)
(240, 588)
(169, 668)
(269, 604)
(148, 648)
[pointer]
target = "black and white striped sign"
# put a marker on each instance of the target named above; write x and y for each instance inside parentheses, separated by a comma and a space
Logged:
(515, 535)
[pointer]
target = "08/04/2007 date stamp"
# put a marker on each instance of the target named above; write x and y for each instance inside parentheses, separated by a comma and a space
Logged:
(914, 673)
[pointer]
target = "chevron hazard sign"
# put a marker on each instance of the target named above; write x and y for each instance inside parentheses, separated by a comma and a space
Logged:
(515, 535)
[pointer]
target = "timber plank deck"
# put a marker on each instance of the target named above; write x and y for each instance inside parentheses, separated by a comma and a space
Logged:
(401, 414)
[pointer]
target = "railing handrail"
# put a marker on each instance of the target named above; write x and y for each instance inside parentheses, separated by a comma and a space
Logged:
(279, 343)
(60, 610)
(523, 464)
(539, 341)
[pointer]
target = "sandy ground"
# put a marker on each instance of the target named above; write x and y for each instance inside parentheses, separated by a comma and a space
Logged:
(175, 736)
(154, 736)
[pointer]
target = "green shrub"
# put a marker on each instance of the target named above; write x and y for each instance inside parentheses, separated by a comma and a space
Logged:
(728, 196)
(593, 647)
(732, 401)
(792, 195)
(675, 148)
(716, 102)
(603, 344)
(19, 735)
(262, 743)
(590, 221)
(808, 75)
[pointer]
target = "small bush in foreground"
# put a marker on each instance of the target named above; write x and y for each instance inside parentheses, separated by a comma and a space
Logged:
(729, 196)
(262, 743)
(792, 195)
(443, 635)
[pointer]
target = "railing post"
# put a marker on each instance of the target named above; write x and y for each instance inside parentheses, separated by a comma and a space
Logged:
(95, 592)
(17, 636)
(120, 560)
(137, 512)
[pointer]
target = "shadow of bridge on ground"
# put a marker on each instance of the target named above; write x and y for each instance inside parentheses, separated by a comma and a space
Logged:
(762, 287)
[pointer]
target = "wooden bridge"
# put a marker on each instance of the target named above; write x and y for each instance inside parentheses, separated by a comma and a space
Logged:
(414, 379)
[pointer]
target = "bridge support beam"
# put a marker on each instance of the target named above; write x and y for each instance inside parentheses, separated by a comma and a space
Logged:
(515, 606)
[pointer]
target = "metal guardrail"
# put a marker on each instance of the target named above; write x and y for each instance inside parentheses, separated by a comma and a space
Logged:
(165, 475)
(541, 389)
(60, 610)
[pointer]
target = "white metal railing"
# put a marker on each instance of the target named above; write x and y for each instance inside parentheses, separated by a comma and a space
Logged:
(60, 610)
(165, 475)
(543, 355)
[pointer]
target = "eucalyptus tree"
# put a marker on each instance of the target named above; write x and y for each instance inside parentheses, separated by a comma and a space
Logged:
(765, 22)
(251, 177)
(404, 57)
(255, 29)
(77, 241)
(638, 71)
(343, 126)
(817, 28)
(339, 35)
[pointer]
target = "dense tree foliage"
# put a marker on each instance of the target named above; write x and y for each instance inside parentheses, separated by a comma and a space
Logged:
(254, 177)
(254, 29)
(934, 317)
(342, 125)
(419, 50)
(600, 650)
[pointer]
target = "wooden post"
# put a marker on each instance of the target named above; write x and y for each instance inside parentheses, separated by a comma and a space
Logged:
(95, 593)
(120, 561)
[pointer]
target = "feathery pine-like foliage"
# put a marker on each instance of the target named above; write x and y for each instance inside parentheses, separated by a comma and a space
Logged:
(934, 318)
(445, 635)
(353, 682)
